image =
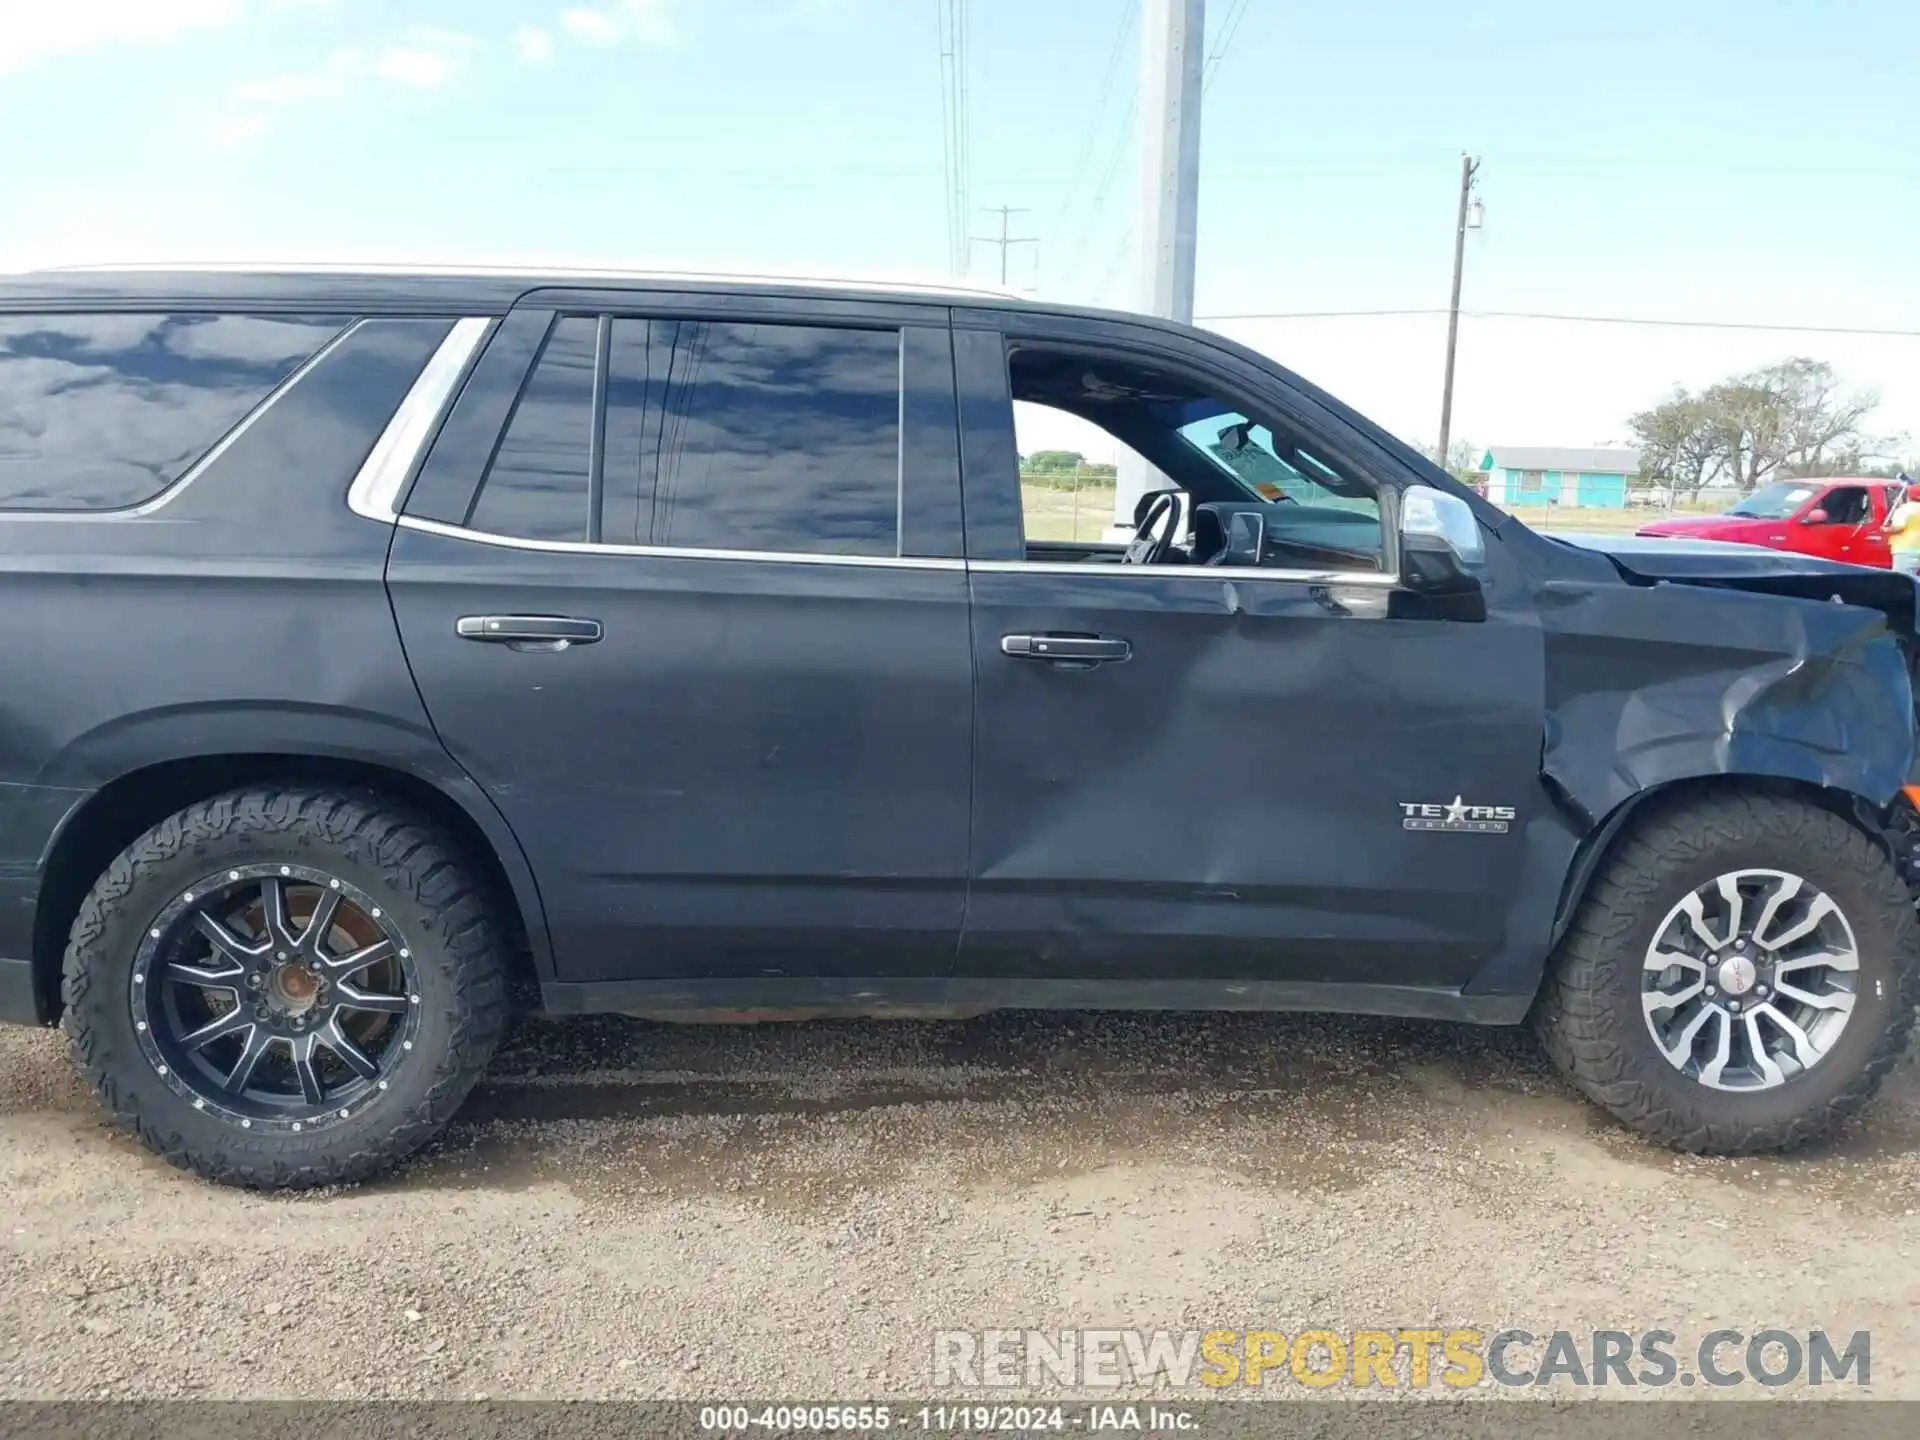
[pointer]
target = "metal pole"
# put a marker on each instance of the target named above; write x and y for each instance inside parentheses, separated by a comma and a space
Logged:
(1172, 54)
(1003, 239)
(1469, 167)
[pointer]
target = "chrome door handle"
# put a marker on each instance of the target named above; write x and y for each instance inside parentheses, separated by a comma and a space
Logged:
(529, 632)
(1069, 650)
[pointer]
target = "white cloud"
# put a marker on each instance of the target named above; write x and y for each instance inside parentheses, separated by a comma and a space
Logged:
(599, 26)
(644, 21)
(236, 131)
(426, 60)
(533, 46)
(36, 30)
(416, 66)
(331, 79)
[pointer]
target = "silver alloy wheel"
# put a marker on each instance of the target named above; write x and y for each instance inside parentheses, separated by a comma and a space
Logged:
(1750, 980)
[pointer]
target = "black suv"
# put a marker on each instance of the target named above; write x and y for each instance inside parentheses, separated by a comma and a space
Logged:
(685, 647)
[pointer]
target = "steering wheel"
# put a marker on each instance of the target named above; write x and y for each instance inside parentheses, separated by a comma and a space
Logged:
(1147, 547)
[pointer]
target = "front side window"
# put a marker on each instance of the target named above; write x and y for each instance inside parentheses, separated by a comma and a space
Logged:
(1080, 415)
(1847, 505)
(99, 412)
(731, 436)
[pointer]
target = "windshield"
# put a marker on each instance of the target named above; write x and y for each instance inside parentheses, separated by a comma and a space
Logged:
(1773, 502)
(1249, 453)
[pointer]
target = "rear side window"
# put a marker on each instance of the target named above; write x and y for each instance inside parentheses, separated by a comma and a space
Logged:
(714, 435)
(98, 412)
(536, 488)
(781, 438)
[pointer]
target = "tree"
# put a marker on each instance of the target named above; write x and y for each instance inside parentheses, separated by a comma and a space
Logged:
(1462, 462)
(1790, 417)
(1044, 461)
(1881, 459)
(1679, 444)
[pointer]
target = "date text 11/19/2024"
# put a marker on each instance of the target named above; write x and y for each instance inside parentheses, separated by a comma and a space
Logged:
(948, 1419)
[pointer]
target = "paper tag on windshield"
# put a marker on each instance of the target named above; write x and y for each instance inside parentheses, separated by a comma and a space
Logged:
(1270, 491)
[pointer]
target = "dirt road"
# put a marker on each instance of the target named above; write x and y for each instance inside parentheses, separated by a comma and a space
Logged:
(626, 1209)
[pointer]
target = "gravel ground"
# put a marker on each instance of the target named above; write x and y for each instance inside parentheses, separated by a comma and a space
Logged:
(634, 1210)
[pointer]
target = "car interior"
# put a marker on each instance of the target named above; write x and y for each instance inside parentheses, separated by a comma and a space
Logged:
(1242, 492)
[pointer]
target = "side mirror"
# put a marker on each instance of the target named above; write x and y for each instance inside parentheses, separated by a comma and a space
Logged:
(1815, 517)
(1441, 551)
(1246, 539)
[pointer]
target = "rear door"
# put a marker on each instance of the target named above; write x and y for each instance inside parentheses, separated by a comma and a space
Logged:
(681, 585)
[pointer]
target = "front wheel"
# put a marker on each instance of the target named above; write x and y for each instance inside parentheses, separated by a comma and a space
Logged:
(1739, 977)
(285, 987)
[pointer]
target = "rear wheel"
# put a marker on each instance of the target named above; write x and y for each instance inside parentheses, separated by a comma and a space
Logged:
(1739, 977)
(285, 987)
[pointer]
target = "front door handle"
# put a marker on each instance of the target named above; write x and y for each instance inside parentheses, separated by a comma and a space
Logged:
(543, 633)
(1072, 651)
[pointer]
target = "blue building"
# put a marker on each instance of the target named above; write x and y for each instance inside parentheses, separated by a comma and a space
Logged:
(1517, 475)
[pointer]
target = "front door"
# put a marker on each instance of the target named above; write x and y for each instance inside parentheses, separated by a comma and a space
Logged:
(1832, 524)
(1200, 768)
(695, 636)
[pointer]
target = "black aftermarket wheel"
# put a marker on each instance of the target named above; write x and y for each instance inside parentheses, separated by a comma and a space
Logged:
(285, 988)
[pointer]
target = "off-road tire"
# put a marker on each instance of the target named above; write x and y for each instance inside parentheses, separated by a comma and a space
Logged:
(373, 843)
(1588, 1014)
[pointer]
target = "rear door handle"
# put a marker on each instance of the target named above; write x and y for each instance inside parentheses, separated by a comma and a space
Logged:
(529, 632)
(1068, 650)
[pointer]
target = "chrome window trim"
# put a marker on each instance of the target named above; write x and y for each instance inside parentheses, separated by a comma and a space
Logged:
(677, 552)
(375, 490)
(1371, 578)
(199, 467)
(1189, 572)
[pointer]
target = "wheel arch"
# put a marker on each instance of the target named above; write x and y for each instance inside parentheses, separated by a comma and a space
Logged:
(1601, 839)
(118, 812)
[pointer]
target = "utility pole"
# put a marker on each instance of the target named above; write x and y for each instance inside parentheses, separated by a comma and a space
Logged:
(1469, 169)
(1172, 55)
(1003, 240)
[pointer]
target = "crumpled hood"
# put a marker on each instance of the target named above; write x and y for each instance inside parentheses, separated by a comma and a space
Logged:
(1652, 560)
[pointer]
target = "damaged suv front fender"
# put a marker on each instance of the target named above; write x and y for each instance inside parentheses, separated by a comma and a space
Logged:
(1648, 685)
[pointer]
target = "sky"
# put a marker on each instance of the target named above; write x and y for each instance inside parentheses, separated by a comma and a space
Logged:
(1745, 162)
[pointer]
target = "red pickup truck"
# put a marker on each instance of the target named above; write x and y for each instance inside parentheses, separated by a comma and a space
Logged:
(1838, 519)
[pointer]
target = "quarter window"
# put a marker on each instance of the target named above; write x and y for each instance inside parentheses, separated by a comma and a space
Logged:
(99, 412)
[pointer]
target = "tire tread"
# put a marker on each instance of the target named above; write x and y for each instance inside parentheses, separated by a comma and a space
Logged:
(412, 858)
(1581, 1031)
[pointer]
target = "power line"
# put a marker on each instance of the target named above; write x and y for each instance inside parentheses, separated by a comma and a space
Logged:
(1113, 263)
(1091, 215)
(1570, 319)
(1107, 76)
(1229, 26)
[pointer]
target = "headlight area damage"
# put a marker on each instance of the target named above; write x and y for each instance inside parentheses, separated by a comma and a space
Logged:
(1679, 674)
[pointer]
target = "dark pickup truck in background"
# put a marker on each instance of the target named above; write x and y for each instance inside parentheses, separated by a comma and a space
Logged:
(379, 641)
